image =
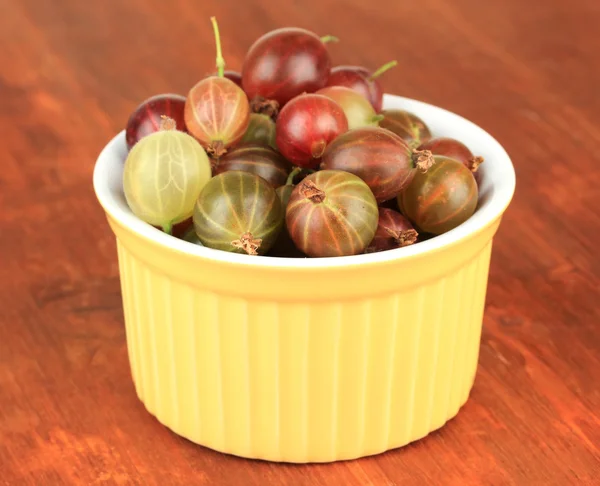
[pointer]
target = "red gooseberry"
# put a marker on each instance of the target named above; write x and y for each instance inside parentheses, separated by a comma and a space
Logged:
(379, 157)
(454, 149)
(306, 125)
(282, 64)
(393, 231)
(147, 117)
(361, 80)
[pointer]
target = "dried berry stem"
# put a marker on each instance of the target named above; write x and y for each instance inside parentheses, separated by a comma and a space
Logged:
(216, 149)
(474, 163)
(248, 243)
(310, 191)
(264, 106)
(403, 238)
(386, 67)
(422, 159)
(167, 123)
(220, 59)
(329, 38)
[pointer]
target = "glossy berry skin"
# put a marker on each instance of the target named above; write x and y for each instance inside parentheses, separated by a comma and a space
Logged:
(285, 63)
(357, 108)
(217, 113)
(262, 161)
(306, 125)
(146, 118)
(238, 212)
(331, 213)
(380, 158)
(455, 149)
(393, 231)
(440, 199)
(357, 79)
(406, 125)
(260, 131)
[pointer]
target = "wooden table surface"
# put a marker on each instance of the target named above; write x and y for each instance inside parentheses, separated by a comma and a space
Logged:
(71, 72)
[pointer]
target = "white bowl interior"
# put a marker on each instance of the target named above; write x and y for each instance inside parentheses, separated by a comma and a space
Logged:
(496, 191)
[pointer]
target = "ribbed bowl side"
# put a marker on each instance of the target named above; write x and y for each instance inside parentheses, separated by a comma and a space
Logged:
(312, 381)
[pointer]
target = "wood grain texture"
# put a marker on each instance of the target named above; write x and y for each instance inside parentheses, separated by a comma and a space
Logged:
(71, 73)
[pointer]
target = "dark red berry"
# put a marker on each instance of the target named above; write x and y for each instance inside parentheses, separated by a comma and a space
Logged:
(284, 63)
(393, 231)
(147, 117)
(305, 127)
(455, 149)
(379, 157)
(361, 80)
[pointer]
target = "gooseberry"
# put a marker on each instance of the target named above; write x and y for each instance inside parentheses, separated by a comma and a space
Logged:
(262, 161)
(163, 175)
(238, 212)
(306, 125)
(440, 199)
(393, 231)
(282, 64)
(331, 213)
(380, 158)
(406, 125)
(361, 80)
(217, 111)
(359, 112)
(455, 149)
(146, 118)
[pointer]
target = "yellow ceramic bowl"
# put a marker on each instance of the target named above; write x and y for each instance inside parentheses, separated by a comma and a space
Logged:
(307, 360)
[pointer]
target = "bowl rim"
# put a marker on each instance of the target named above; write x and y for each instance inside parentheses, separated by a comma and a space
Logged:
(503, 190)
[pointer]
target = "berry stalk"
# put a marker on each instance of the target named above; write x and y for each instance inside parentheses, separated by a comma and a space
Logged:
(220, 59)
